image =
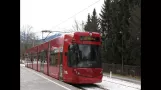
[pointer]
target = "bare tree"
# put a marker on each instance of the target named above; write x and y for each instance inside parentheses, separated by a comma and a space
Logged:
(77, 26)
(27, 38)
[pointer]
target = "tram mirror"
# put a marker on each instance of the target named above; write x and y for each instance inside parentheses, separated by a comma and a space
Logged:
(73, 41)
(75, 47)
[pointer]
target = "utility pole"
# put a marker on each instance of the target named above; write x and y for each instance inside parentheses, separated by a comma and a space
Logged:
(45, 31)
(122, 57)
(48, 51)
(24, 42)
(122, 53)
(82, 26)
(37, 40)
(42, 35)
(33, 44)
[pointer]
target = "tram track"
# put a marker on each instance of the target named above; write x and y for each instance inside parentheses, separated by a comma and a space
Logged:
(99, 86)
(89, 87)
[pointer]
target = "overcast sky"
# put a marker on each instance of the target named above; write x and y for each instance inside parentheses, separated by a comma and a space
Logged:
(47, 14)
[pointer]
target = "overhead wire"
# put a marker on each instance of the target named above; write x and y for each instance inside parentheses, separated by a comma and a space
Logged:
(72, 17)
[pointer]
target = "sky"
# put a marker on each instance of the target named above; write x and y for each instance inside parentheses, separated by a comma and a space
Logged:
(54, 14)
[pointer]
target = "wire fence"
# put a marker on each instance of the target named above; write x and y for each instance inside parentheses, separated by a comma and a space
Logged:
(117, 69)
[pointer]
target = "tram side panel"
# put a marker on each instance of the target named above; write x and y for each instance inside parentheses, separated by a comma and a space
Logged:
(53, 60)
(67, 71)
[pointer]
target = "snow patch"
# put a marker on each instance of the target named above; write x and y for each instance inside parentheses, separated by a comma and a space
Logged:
(116, 84)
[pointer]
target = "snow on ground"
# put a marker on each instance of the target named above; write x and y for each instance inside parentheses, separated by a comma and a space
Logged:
(116, 84)
(22, 65)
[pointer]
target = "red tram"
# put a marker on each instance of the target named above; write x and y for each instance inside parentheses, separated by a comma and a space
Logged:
(71, 57)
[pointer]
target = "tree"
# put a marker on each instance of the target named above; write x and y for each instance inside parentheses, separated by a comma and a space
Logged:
(135, 33)
(105, 18)
(77, 26)
(27, 38)
(120, 24)
(107, 29)
(94, 22)
(87, 26)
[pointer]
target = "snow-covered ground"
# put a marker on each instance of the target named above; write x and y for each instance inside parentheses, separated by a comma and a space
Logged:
(116, 84)
(22, 65)
(113, 84)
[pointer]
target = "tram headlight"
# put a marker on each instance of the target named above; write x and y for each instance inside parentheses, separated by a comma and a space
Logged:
(78, 73)
(101, 72)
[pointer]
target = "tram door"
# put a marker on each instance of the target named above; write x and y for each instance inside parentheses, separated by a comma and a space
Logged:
(42, 59)
(61, 67)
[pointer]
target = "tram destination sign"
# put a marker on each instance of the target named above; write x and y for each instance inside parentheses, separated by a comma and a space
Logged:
(89, 38)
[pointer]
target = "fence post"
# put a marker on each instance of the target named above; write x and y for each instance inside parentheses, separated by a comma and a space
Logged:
(110, 74)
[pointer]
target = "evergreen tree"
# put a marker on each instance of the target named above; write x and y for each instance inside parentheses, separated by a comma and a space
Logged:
(105, 18)
(94, 22)
(87, 26)
(106, 29)
(120, 25)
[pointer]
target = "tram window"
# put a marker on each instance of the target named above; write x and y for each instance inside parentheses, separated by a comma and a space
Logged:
(31, 57)
(68, 56)
(56, 59)
(38, 56)
(71, 56)
(42, 56)
(35, 57)
(53, 59)
(61, 58)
